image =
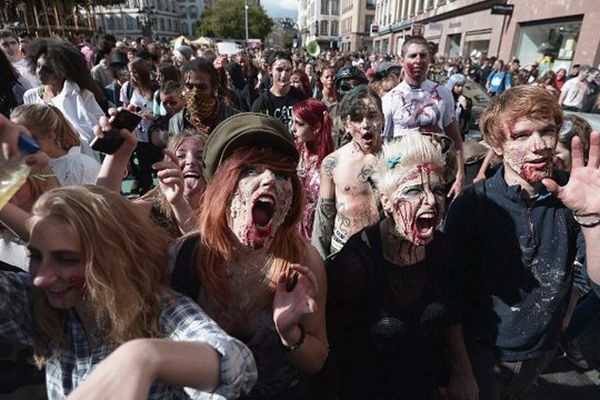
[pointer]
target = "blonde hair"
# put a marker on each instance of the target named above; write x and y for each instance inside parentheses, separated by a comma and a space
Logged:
(398, 157)
(43, 119)
(125, 266)
(156, 195)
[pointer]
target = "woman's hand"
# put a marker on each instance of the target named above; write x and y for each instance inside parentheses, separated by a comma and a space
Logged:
(582, 193)
(292, 301)
(170, 178)
(220, 61)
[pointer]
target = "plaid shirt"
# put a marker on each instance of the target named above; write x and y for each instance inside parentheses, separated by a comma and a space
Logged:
(181, 320)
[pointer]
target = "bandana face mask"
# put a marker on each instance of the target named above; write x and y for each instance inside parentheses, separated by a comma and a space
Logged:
(202, 107)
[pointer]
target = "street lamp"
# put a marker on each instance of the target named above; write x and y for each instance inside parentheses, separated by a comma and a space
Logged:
(246, 14)
(146, 14)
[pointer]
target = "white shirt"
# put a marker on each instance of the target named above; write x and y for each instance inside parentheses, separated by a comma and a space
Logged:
(574, 92)
(78, 106)
(145, 105)
(75, 168)
(406, 107)
(30, 80)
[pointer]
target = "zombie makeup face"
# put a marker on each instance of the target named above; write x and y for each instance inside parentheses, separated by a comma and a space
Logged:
(417, 205)
(200, 81)
(281, 73)
(295, 82)
(416, 63)
(10, 46)
(365, 126)
(189, 157)
(173, 103)
(44, 71)
(528, 150)
(259, 206)
(302, 131)
(56, 263)
(328, 78)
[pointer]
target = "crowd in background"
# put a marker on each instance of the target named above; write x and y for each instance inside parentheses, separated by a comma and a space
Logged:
(299, 197)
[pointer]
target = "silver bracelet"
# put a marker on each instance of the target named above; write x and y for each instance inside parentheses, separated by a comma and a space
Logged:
(591, 224)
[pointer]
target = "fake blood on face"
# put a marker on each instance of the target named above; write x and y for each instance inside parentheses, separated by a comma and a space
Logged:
(418, 204)
(261, 202)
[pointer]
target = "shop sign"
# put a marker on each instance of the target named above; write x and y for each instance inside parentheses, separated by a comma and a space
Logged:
(503, 9)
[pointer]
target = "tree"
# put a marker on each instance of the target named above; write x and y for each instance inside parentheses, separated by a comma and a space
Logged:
(225, 19)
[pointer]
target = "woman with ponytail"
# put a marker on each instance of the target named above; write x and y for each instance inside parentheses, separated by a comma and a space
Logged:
(312, 130)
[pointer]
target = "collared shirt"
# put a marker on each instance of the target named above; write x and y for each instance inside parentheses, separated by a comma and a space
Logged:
(511, 261)
(181, 320)
(406, 107)
(79, 106)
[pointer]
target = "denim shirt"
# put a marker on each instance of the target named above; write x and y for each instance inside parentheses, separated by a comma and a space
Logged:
(511, 261)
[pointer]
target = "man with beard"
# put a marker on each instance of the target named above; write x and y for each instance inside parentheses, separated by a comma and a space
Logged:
(281, 97)
(513, 239)
(346, 197)
(418, 103)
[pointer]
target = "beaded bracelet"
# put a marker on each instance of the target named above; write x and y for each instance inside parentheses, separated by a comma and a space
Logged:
(591, 224)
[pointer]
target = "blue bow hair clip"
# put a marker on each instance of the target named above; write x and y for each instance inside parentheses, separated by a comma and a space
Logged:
(392, 162)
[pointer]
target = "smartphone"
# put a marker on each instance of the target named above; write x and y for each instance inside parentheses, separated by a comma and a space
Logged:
(112, 140)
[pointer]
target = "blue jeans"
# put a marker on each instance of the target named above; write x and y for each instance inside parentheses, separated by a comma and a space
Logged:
(586, 311)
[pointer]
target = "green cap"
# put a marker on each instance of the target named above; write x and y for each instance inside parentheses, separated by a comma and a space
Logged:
(245, 129)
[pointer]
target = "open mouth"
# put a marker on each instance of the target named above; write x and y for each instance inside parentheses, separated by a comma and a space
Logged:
(191, 174)
(262, 211)
(425, 225)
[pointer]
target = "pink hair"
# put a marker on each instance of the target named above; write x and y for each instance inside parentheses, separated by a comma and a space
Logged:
(312, 111)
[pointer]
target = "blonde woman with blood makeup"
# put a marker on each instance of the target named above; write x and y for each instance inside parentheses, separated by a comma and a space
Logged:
(387, 300)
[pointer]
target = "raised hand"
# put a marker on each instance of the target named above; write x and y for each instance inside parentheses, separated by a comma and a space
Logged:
(170, 177)
(130, 139)
(290, 304)
(582, 193)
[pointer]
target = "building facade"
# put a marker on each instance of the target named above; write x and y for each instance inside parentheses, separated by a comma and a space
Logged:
(318, 20)
(356, 19)
(556, 33)
(151, 18)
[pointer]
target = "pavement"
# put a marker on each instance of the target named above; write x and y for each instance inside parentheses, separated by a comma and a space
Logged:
(562, 381)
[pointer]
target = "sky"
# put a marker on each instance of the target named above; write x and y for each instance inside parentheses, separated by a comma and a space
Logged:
(281, 8)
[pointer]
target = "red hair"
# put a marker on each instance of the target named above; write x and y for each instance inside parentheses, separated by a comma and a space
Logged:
(312, 111)
(217, 238)
(304, 81)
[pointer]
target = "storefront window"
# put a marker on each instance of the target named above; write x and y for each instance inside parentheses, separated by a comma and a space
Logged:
(453, 45)
(551, 44)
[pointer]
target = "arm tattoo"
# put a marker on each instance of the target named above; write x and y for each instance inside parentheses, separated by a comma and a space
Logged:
(329, 164)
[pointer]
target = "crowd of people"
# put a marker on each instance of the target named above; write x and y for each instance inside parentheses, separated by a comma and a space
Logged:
(298, 227)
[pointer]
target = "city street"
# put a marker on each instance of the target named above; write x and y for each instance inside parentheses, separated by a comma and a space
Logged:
(563, 382)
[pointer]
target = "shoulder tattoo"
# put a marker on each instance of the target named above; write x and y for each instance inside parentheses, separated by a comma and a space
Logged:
(329, 164)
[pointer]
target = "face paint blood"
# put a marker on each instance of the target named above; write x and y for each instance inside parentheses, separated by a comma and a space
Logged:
(417, 204)
(259, 206)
